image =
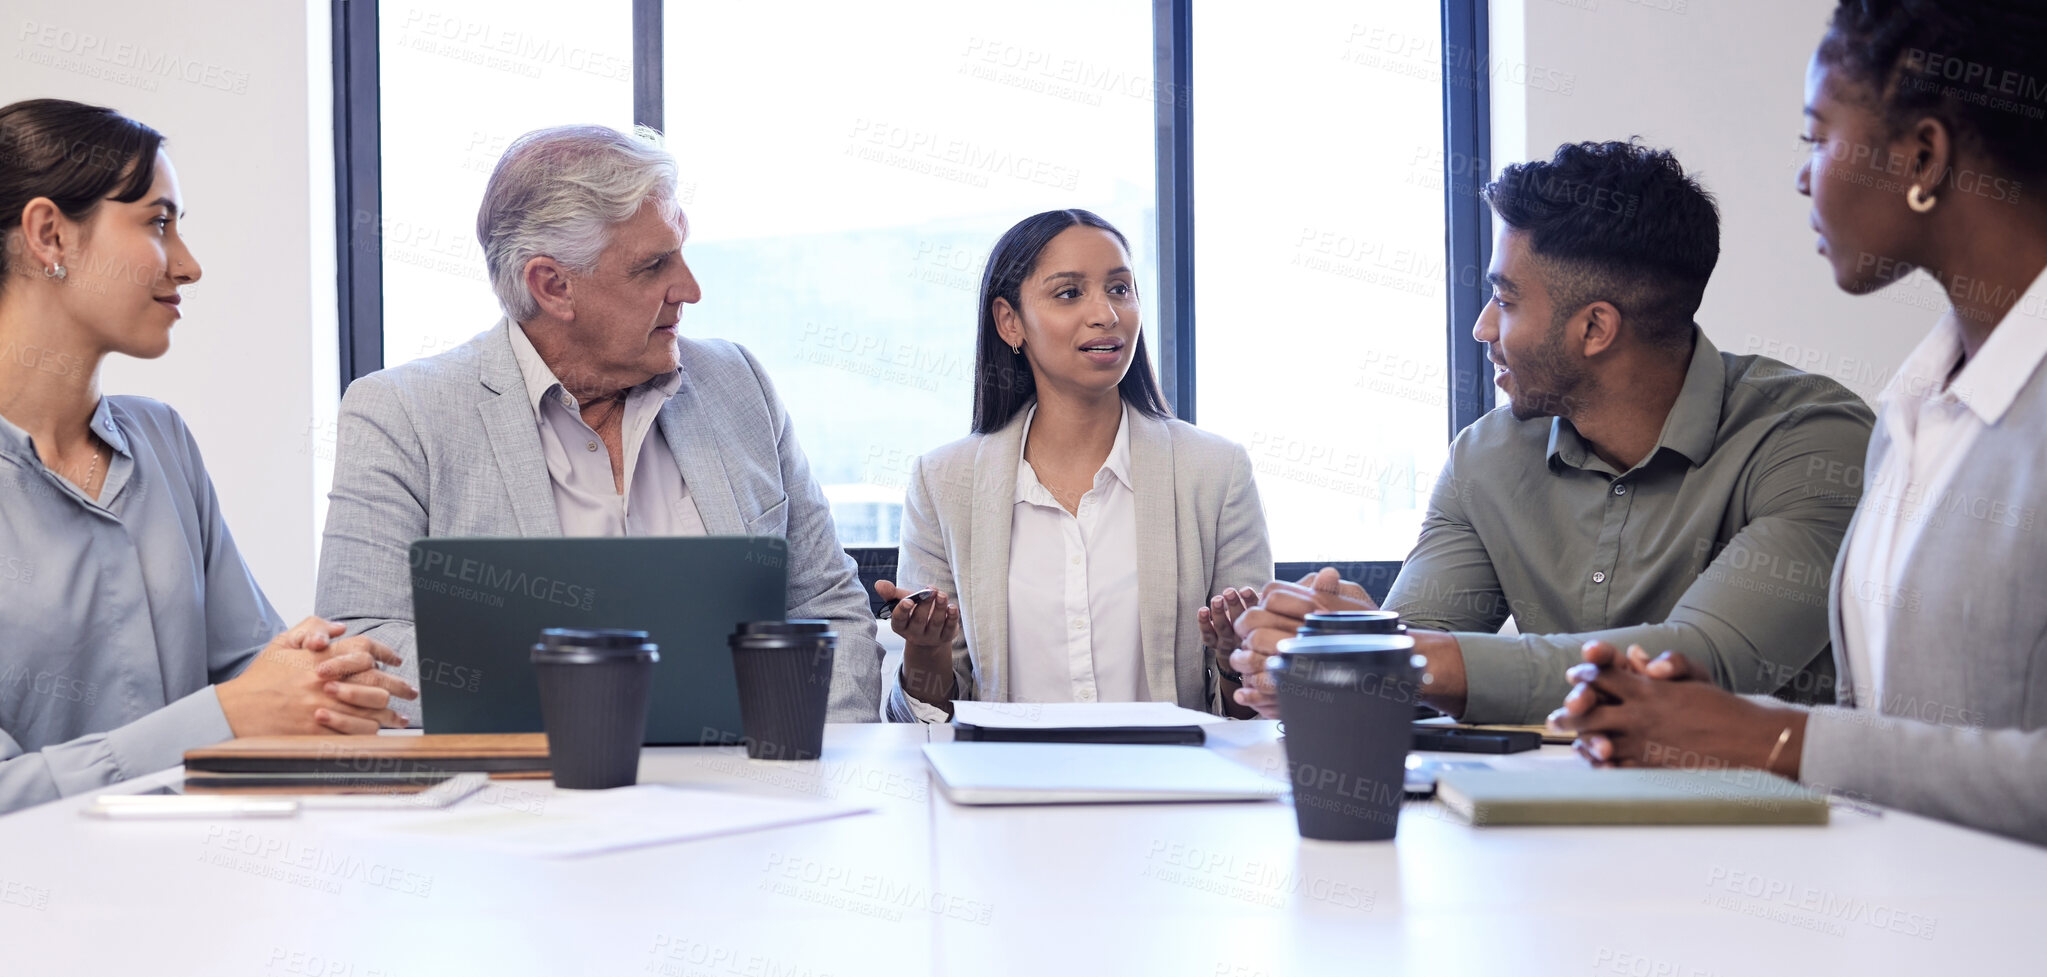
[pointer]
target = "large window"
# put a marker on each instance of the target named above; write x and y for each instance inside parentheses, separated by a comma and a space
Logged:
(846, 181)
(460, 80)
(1319, 230)
(846, 178)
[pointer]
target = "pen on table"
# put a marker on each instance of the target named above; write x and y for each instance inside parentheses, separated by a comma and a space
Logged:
(889, 608)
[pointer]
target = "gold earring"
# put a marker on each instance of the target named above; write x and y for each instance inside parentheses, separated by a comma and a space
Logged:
(1918, 203)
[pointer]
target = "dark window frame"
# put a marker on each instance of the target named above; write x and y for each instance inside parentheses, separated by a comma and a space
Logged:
(1467, 150)
(358, 188)
(1467, 147)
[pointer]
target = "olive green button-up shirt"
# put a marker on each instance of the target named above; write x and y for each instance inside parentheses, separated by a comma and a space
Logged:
(1719, 544)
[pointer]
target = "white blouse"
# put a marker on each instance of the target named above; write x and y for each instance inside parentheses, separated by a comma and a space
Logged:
(1073, 612)
(1931, 424)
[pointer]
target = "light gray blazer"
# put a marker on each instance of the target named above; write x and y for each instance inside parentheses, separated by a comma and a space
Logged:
(1199, 529)
(1959, 734)
(447, 446)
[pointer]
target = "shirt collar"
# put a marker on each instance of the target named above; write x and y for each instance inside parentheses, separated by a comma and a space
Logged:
(1117, 464)
(1691, 429)
(1989, 383)
(105, 423)
(541, 382)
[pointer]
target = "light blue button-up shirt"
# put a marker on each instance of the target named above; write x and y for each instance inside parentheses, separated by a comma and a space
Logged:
(117, 616)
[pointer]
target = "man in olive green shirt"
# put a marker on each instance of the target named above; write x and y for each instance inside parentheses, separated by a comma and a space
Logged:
(1643, 488)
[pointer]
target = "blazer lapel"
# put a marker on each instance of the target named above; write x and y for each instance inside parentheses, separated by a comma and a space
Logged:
(697, 454)
(985, 588)
(515, 439)
(1158, 565)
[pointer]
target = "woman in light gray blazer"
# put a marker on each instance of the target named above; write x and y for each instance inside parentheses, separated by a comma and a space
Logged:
(1938, 605)
(1068, 543)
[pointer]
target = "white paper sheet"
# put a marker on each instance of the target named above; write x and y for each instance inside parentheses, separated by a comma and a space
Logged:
(569, 823)
(1068, 715)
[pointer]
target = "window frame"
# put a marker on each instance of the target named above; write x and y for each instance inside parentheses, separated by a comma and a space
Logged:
(1467, 146)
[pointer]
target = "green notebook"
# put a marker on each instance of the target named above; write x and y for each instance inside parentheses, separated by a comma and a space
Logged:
(1589, 796)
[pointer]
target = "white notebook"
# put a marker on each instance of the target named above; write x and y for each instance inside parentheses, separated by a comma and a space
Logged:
(1091, 773)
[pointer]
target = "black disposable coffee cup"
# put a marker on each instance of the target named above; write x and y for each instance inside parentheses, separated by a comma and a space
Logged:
(784, 669)
(1348, 702)
(1321, 623)
(594, 685)
(1324, 623)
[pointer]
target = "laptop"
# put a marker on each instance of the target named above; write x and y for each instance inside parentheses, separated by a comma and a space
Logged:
(1091, 773)
(479, 605)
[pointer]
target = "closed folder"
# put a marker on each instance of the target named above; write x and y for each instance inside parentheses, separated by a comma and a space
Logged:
(315, 761)
(1593, 796)
(1151, 723)
(1153, 735)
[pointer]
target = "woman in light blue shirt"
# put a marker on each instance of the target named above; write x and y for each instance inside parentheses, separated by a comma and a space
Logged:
(130, 630)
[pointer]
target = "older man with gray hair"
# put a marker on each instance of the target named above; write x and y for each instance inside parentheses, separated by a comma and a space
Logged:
(501, 436)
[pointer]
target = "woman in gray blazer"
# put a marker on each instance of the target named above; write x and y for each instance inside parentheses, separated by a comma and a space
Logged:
(1938, 611)
(1069, 541)
(130, 630)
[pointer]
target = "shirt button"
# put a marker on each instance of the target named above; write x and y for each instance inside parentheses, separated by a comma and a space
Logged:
(1599, 576)
(1086, 695)
(1076, 561)
(592, 446)
(1620, 490)
(568, 401)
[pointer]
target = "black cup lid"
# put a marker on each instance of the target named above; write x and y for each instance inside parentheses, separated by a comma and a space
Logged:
(586, 655)
(595, 639)
(1352, 622)
(1327, 645)
(1340, 656)
(802, 626)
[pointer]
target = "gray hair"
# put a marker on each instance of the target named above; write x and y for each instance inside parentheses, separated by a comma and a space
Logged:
(558, 192)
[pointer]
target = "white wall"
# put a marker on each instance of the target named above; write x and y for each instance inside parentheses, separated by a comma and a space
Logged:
(1720, 83)
(242, 91)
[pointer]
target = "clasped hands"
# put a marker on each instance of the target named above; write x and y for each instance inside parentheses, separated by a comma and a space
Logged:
(1631, 710)
(311, 680)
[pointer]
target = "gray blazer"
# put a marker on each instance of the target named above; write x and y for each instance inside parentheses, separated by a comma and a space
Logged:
(1959, 734)
(447, 446)
(1199, 529)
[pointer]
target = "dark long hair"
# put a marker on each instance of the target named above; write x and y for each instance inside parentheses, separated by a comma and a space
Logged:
(75, 154)
(1003, 381)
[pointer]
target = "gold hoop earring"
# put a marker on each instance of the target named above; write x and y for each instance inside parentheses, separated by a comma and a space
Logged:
(1918, 203)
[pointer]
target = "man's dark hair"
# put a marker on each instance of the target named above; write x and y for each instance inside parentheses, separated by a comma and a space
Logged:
(1616, 222)
(1979, 66)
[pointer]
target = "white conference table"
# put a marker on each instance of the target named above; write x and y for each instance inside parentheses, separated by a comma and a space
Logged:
(920, 886)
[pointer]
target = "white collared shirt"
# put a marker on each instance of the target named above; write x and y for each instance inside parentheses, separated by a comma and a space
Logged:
(1931, 424)
(655, 502)
(1073, 610)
